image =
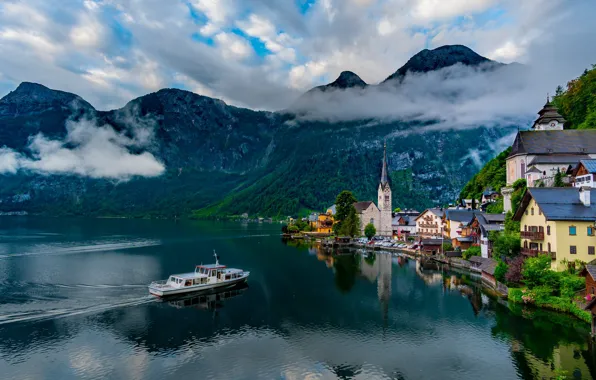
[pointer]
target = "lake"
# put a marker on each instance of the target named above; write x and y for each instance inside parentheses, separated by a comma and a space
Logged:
(74, 305)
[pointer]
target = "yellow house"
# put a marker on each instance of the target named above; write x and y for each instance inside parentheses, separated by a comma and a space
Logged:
(559, 222)
(324, 222)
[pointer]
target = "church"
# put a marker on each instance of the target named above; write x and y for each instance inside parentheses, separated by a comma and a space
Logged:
(380, 216)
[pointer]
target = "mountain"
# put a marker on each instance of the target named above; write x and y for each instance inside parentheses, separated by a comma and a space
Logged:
(346, 79)
(223, 160)
(440, 58)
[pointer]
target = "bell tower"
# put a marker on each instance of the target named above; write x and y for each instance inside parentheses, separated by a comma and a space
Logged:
(384, 204)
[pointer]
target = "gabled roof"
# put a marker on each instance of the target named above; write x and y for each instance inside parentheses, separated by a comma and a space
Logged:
(590, 166)
(559, 203)
(488, 266)
(534, 169)
(436, 211)
(591, 269)
(361, 206)
(569, 142)
(464, 216)
(432, 242)
(494, 218)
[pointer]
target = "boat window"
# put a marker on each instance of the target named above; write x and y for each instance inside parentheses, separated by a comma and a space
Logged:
(197, 281)
(227, 277)
(188, 283)
(172, 279)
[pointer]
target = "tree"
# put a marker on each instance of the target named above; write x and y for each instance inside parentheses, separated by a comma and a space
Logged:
(559, 179)
(536, 270)
(397, 209)
(351, 225)
(514, 272)
(506, 245)
(284, 229)
(500, 271)
(344, 203)
(370, 231)
(519, 190)
(293, 229)
(472, 251)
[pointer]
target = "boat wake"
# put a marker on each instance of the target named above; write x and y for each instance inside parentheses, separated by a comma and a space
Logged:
(85, 248)
(39, 315)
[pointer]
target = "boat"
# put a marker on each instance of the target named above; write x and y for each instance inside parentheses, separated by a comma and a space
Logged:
(205, 277)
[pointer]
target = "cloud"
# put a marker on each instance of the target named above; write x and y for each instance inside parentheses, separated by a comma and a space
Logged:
(90, 150)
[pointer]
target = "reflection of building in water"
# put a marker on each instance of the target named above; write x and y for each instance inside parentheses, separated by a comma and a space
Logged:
(378, 267)
(428, 272)
(384, 283)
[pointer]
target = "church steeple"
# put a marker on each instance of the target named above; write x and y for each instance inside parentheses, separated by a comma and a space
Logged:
(384, 171)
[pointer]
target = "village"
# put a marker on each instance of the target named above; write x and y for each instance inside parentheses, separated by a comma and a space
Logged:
(541, 223)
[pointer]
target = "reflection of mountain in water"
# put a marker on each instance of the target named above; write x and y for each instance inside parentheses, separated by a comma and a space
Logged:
(208, 301)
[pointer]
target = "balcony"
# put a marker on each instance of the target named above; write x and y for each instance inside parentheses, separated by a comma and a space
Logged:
(428, 225)
(532, 235)
(536, 252)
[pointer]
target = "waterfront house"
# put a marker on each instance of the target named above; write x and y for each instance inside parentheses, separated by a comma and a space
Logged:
(487, 268)
(403, 225)
(429, 223)
(589, 272)
(454, 222)
(584, 174)
(322, 223)
(480, 227)
(431, 246)
(558, 222)
(489, 196)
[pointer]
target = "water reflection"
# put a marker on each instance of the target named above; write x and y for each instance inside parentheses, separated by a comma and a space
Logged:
(207, 300)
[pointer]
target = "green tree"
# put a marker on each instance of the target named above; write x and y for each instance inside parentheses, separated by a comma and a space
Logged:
(293, 229)
(472, 251)
(501, 271)
(519, 190)
(351, 225)
(536, 270)
(344, 203)
(504, 244)
(397, 209)
(370, 231)
(559, 179)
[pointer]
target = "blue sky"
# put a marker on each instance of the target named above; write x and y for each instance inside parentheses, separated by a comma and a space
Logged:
(258, 53)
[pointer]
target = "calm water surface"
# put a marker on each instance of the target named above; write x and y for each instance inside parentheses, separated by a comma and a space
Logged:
(74, 304)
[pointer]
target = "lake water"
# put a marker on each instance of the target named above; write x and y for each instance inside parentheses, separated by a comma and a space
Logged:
(74, 304)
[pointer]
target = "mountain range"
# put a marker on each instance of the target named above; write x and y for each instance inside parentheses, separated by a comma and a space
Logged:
(221, 160)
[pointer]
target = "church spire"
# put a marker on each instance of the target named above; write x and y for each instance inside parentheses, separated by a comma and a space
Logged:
(384, 171)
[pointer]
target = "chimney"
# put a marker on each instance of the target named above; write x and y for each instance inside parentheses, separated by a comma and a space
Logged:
(584, 195)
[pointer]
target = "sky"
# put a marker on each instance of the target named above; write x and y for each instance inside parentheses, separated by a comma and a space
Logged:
(263, 54)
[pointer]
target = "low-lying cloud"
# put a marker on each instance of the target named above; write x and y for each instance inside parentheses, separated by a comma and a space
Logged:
(88, 150)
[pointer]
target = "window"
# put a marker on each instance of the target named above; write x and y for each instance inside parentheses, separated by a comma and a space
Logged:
(590, 231)
(548, 230)
(525, 228)
(526, 211)
(590, 250)
(548, 247)
(372, 221)
(572, 249)
(539, 211)
(532, 211)
(572, 230)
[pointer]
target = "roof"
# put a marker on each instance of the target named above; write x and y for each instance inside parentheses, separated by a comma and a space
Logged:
(570, 142)
(436, 211)
(534, 169)
(361, 206)
(558, 159)
(432, 241)
(333, 209)
(464, 216)
(476, 259)
(547, 114)
(559, 203)
(384, 180)
(313, 217)
(465, 239)
(494, 218)
(590, 165)
(488, 266)
(185, 276)
(211, 266)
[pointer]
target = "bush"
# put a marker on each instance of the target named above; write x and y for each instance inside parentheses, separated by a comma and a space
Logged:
(506, 244)
(370, 231)
(536, 270)
(446, 247)
(500, 271)
(293, 229)
(570, 284)
(472, 251)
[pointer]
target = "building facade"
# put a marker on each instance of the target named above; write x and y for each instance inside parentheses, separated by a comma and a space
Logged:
(430, 223)
(559, 222)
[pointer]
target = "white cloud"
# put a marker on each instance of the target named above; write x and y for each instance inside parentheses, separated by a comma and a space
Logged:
(88, 150)
(430, 10)
(233, 46)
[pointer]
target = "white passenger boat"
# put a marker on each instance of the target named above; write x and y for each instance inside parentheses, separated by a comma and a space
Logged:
(212, 276)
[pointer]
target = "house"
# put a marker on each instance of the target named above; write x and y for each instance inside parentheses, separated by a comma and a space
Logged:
(403, 225)
(589, 272)
(429, 223)
(469, 204)
(538, 154)
(480, 227)
(454, 222)
(431, 246)
(584, 173)
(476, 262)
(558, 222)
(489, 196)
(380, 216)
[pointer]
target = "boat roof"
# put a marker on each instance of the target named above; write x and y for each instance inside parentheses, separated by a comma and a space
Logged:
(231, 270)
(186, 276)
(211, 266)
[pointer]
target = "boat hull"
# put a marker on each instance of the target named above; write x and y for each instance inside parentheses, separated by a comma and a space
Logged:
(164, 292)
